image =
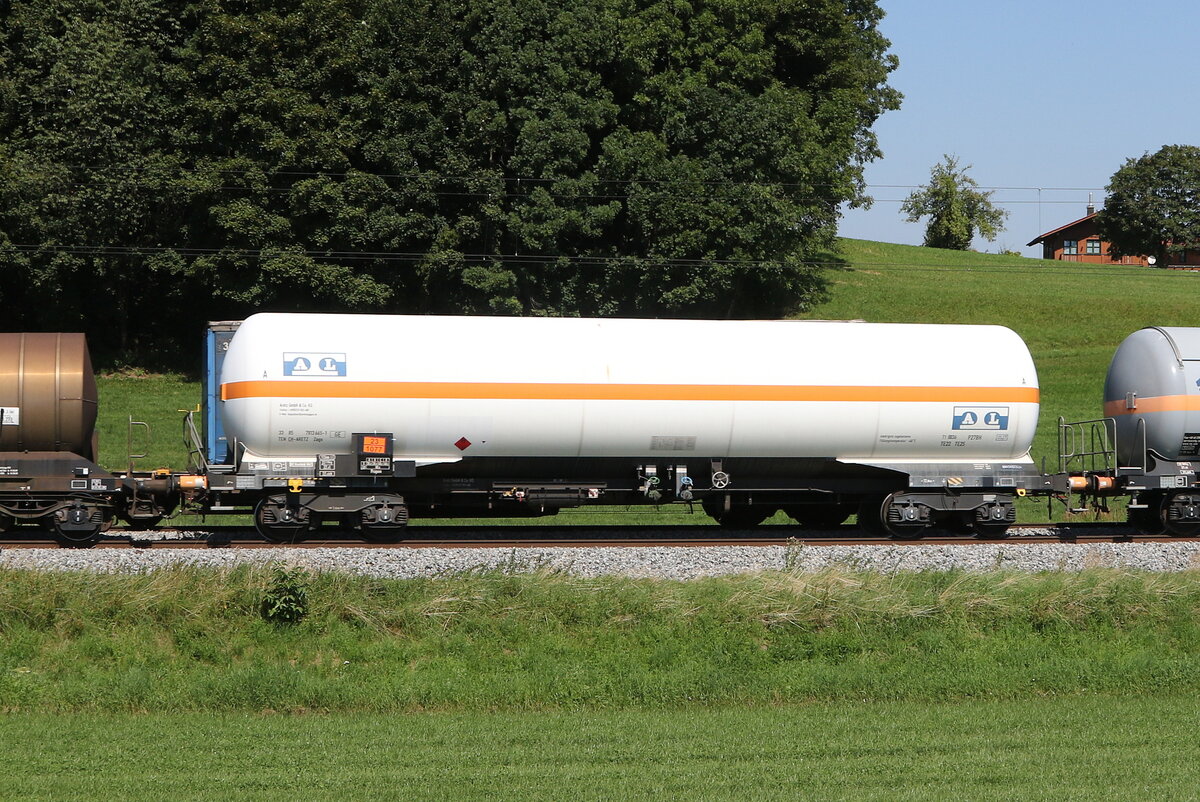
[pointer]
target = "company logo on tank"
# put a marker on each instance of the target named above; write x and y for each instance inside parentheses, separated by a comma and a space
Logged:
(981, 418)
(313, 363)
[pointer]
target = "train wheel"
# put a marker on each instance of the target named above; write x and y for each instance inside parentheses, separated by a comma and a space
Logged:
(78, 526)
(990, 530)
(384, 523)
(278, 522)
(1180, 514)
(900, 519)
(6, 522)
(991, 521)
(383, 534)
(819, 516)
(142, 524)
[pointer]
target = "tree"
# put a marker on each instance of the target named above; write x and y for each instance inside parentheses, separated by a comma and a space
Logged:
(176, 162)
(633, 157)
(955, 208)
(1153, 205)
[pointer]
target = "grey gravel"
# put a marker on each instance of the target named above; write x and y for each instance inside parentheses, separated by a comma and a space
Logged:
(666, 562)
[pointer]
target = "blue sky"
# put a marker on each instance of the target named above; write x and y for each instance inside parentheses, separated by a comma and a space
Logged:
(1054, 94)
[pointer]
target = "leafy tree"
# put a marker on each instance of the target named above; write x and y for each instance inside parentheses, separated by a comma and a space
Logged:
(956, 209)
(1153, 205)
(87, 181)
(166, 163)
(624, 157)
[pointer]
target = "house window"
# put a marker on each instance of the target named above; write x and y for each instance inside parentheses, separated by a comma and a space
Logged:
(1093, 246)
(1070, 247)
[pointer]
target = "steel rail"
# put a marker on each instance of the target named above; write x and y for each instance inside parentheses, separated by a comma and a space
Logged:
(594, 536)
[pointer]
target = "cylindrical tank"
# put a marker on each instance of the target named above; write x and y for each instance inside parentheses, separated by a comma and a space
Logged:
(451, 387)
(1153, 385)
(48, 396)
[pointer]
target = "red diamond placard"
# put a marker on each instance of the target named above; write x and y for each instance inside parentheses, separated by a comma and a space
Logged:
(462, 443)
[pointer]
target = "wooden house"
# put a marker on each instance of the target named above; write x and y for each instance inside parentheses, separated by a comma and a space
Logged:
(1079, 241)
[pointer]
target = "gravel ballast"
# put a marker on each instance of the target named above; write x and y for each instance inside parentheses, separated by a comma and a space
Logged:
(665, 562)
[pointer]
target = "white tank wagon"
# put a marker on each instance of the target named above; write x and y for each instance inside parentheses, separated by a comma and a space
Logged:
(906, 424)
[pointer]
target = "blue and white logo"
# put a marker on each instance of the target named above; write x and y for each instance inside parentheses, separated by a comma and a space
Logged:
(312, 363)
(981, 418)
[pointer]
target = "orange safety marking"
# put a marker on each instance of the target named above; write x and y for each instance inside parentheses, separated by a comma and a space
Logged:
(1154, 403)
(623, 392)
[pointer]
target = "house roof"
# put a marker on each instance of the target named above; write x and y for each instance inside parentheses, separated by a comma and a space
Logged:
(1051, 233)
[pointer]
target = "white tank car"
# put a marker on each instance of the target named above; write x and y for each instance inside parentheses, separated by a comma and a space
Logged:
(451, 387)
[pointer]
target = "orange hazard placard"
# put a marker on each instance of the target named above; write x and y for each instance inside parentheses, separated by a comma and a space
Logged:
(374, 445)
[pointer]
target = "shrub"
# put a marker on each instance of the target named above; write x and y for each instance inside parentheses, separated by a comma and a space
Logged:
(285, 601)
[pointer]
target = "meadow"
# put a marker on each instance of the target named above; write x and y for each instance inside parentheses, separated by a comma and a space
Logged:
(834, 685)
(191, 640)
(1032, 749)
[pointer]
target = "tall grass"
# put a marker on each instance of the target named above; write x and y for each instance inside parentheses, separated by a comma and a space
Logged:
(188, 639)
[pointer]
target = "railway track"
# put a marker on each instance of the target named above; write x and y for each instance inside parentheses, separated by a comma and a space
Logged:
(589, 536)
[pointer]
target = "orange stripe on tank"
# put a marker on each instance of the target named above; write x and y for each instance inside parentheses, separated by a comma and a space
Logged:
(1154, 403)
(623, 392)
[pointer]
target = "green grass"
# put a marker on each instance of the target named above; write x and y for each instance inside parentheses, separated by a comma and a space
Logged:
(187, 640)
(157, 400)
(1038, 749)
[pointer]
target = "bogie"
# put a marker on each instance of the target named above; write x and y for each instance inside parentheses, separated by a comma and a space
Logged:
(279, 520)
(1180, 514)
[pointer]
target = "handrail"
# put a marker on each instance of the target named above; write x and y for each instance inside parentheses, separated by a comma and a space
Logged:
(1170, 341)
(1087, 445)
(1139, 437)
(197, 459)
(129, 441)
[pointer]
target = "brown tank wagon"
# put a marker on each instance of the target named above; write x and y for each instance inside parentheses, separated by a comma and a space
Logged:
(48, 406)
(48, 394)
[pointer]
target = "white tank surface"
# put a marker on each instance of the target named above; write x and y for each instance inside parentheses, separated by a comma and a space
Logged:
(452, 387)
(1153, 384)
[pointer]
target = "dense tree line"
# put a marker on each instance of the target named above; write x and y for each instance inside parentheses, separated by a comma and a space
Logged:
(166, 163)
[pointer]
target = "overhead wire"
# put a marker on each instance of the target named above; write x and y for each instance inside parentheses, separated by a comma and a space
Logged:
(1046, 266)
(540, 182)
(486, 176)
